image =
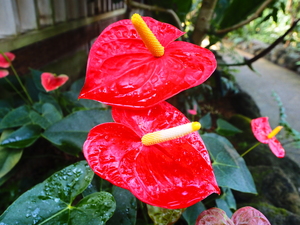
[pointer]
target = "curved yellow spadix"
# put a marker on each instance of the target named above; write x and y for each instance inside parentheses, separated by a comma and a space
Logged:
(274, 132)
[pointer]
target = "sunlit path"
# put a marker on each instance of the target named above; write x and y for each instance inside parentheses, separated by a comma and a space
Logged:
(284, 82)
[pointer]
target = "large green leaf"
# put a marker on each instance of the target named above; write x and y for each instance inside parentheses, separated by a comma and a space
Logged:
(126, 210)
(15, 118)
(8, 157)
(191, 213)
(70, 133)
(226, 129)
(50, 202)
(230, 169)
(22, 137)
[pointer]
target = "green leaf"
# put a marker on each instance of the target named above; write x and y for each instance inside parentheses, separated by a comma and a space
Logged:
(70, 133)
(230, 169)
(162, 216)
(36, 75)
(226, 129)
(15, 118)
(8, 157)
(205, 121)
(126, 210)
(191, 213)
(226, 201)
(50, 202)
(23, 137)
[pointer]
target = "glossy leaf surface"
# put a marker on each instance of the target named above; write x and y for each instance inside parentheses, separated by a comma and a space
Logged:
(8, 157)
(213, 216)
(126, 211)
(173, 174)
(22, 137)
(261, 129)
(226, 161)
(250, 216)
(16, 117)
(50, 202)
(122, 72)
(70, 133)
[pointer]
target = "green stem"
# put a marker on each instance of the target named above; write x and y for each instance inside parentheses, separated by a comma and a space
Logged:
(254, 146)
(15, 89)
(18, 78)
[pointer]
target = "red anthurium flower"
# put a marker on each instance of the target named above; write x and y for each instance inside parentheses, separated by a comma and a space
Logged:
(4, 63)
(172, 174)
(132, 66)
(193, 111)
(264, 134)
(51, 82)
(3, 73)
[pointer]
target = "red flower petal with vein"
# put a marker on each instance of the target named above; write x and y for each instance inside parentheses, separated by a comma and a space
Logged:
(3, 61)
(51, 82)
(3, 73)
(173, 174)
(122, 72)
(261, 129)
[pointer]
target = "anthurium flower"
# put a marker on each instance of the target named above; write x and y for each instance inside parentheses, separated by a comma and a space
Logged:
(4, 63)
(51, 82)
(136, 63)
(244, 216)
(193, 111)
(172, 174)
(264, 134)
(3, 73)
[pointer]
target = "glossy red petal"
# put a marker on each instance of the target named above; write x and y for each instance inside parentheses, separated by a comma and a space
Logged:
(276, 148)
(3, 62)
(173, 174)
(261, 128)
(3, 73)
(213, 216)
(122, 72)
(105, 148)
(51, 82)
(250, 216)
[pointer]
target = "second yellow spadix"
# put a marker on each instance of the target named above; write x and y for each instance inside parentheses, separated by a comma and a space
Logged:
(170, 134)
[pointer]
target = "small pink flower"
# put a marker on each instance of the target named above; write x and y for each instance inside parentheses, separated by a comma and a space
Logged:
(264, 134)
(51, 82)
(3, 73)
(193, 111)
(3, 61)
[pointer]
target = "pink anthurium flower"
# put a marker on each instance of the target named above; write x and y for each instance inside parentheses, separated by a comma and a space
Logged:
(51, 82)
(264, 134)
(172, 174)
(193, 111)
(133, 66)
(3, 73)
(4, 63)
(243, 216)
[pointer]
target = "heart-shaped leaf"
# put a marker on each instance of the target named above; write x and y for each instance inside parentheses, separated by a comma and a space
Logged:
(16, 117)
(162, 216)
(50, 202)
(230, 169)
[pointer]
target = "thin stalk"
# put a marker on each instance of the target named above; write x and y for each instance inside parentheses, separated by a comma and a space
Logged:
(18, 78)
(16, 90)
(254, 146)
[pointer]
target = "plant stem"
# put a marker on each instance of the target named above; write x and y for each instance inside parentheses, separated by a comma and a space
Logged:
(15, 89)
(254, 146)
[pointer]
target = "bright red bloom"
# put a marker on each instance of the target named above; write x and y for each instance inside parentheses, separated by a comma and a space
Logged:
(261, 129)
(51, 82)
(121, 71)
(3, 73)
(173, 174)
(3, 61)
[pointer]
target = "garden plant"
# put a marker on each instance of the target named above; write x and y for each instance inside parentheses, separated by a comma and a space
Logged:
(121, 153)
